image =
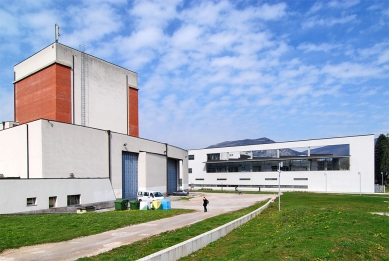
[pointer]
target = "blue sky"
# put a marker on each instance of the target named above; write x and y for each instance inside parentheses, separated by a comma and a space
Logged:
(212, 71)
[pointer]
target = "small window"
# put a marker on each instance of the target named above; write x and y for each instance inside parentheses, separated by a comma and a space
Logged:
(140, 193)
(52, 202)
(199, 179)
(270, 178)
(221, 179)
(300, 178)
(244, 179)
(31, 201)
(190, 170)
(191, 157)
(146, 194)
(213, 156)
(73, 200)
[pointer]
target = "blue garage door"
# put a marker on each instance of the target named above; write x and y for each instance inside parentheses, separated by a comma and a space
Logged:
(172, 175)
(129, 175)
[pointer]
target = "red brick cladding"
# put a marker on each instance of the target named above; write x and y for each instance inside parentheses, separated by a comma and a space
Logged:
(44, 94)
(133, 122)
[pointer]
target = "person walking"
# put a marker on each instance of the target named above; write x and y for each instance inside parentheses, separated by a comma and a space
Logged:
(205, 203)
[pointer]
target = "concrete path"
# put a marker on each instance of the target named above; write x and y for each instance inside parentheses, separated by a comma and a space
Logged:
(96, 244)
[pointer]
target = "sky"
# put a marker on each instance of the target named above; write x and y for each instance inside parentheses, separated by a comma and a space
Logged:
(214, 71)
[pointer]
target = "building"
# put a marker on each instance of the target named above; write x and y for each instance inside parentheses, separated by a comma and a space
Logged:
(75, 137)
(344, 164)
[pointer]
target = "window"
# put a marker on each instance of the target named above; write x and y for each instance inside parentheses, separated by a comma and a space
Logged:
(270, 178)
(213, 156)
(221, 179)
(190, 170)
(300, 178)
(31, 201)
(199, 179)
(73, 200)
(52, 202)
(244, 179)
(191, 157)
(146, 194)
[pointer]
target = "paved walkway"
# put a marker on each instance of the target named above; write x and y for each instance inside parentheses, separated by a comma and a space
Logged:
(96, 244)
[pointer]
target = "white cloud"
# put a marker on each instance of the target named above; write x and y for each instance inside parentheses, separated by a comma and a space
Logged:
(90, 23)
(323, 47)
(347, 70)
(316, 21)
(8, 24)
(271, 12)
(342, 3)
(6, 105)
(314, 8)
(383, 57)
(187, 37)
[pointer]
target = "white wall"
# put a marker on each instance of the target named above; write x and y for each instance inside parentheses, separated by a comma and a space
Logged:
(13, 152)
(106, 89)
(36, 62)
(58, 149)
(156, 178)
(361, 161)
(14, 193)
(73, 149)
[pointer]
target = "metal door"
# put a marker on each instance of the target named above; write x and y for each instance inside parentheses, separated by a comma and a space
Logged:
(172, 176)
(129, 175)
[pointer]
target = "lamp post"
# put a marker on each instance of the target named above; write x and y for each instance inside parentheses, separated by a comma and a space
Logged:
(280, 165)
(360, 190)
(326, 181)
(382, 175)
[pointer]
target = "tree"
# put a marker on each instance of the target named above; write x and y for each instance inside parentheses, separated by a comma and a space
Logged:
(381, 152)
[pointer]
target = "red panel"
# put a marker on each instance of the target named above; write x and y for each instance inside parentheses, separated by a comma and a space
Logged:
(44, 94)
(133, 122)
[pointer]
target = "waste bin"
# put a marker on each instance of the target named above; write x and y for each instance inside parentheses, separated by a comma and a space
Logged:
(166, 204)
(121, 204)
(134, 204)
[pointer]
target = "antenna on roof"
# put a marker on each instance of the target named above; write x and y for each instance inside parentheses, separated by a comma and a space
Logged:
(56, 33)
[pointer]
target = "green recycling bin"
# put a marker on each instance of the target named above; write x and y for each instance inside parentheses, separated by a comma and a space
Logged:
(134, 204)
(121, 204)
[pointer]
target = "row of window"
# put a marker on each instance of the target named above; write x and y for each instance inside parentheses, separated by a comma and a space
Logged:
(251, 186)
(250, 179)
(71, 201)
(327, 164)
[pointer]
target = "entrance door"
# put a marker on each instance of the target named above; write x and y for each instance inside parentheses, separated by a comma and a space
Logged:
(129, 175)
(172, 175)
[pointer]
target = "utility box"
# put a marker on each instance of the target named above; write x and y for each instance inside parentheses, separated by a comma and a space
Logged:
(121, 204)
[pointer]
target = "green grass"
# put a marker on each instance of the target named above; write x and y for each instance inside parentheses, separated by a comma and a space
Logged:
(159, 242)
(309, 227)
(26, 230)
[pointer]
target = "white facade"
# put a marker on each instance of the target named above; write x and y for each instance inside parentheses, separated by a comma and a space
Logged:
(37, 160)
(106, 85)
(357, 177)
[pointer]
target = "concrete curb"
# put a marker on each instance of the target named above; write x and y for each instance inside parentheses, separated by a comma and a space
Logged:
(192, 245)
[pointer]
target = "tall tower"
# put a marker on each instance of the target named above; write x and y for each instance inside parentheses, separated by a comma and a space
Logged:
(51, 84)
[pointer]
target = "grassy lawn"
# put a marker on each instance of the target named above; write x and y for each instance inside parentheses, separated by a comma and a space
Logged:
(309, 227)
(159, 242)
(26, 230)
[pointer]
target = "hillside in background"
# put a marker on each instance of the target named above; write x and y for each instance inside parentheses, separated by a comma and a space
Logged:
(257, 153)
(245, 142)
(336, 150)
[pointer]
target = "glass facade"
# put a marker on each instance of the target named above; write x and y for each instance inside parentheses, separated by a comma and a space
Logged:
(327, 164)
